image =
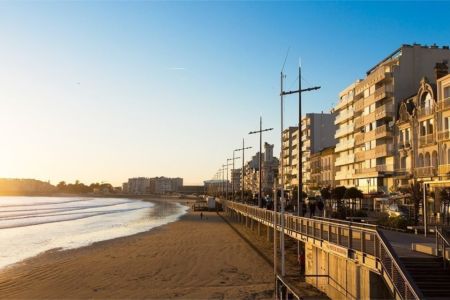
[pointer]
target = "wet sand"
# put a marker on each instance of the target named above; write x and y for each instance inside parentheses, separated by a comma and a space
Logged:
(188, 259)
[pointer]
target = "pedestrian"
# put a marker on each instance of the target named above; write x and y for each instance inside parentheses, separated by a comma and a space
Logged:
(303, 208)
(313, 209)
(301, 262)
(201, 216)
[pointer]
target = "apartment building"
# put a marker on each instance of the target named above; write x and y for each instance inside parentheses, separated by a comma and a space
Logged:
(322, 169)
(318, 132)
(288, 155)
(395, 78)
(269, 167)
(236, 180)
(138, 185)
(345, 147)
(163, 185)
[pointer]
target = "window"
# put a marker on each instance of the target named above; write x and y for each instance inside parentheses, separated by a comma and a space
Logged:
(446, 92)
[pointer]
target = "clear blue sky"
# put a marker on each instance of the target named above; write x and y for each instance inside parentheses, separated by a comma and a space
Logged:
(102, 91)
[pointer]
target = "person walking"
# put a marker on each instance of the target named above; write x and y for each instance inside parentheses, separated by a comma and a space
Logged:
(201, 216)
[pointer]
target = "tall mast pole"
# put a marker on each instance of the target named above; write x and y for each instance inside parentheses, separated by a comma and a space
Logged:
(299, 145)
(260, 162)
(282, 183)
(232, 180)
(243, 172)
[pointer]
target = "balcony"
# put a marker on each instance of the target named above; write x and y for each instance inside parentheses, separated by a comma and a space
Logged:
(425, 111)
(429, 171)
(426, 140)
(385, 168)
(444, 104)
(344, 130)
(359, 105)
(359, 138)
(347, 159)
(343, 175)
(365, 171)
(359, 122)
(444, 135)
(382, 131)
(404, 173)
(343, 116)
(384, 111)
(344, 145)
(381, 93)
(383, 150)
(444, 170)
(363, 155)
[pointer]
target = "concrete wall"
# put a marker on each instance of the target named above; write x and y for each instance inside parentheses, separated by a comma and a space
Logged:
(342, 278)
(322, 131)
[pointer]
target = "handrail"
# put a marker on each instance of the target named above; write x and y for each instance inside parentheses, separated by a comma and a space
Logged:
(366, 238)
(441, 238)
(395, 260)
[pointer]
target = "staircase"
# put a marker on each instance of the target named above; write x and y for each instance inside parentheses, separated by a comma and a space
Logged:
(429, 275)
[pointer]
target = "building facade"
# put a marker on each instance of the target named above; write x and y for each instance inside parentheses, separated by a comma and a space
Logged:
(318, 132)
(269, 168)
(375, 100)
(345, 147)
(322, 169)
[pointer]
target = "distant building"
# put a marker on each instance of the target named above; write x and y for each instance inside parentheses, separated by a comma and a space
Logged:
(236, 180)
(138, 185)
(269, 166)
(215, 186)
(322, 169)
(164, 185)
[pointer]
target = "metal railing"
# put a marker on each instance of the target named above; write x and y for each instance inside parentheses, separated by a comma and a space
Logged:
(441, 245)
(365, 238)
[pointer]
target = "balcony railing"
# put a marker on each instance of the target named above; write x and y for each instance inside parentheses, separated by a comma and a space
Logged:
(348, 159)
(343, 115)
(383, 150)
(426, 139)
(429, 171)
(344, 130)
(359, 122)
(444, 104)
(444, 135)
(425, 111)
(383, 111)
(359, 105)
(382, 131)
(444, 170)
(345, 145)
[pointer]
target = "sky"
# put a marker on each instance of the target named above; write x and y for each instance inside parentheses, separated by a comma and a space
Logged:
(103, 91)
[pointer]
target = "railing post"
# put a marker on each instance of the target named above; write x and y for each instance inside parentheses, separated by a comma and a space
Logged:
(363, 240)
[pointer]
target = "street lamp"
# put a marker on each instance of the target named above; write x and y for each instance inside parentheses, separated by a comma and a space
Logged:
(242, 171)
(260, 131)
(232, 171)
(299, 158)
(227, 165)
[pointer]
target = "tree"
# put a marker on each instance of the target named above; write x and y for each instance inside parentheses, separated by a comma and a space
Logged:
(338, 194)
(353, 194)
(325, 193)
(416, 197)
(445, 200)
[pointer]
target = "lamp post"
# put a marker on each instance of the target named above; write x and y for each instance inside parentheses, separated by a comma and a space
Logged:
(299, 156)
(227, 165)
(260, 131)
(232, 171)
(242, 171)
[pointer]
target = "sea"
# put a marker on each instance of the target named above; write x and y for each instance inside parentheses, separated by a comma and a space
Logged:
(32, 225)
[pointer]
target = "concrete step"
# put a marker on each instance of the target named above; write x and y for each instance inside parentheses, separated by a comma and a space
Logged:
(428, 248)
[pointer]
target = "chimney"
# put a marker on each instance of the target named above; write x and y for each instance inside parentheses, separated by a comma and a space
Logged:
(441, 69)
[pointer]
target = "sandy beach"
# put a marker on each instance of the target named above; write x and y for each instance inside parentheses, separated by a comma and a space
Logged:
(188, 259)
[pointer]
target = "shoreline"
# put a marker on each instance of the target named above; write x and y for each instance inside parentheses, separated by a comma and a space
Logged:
(183, 259)
(161, 209)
